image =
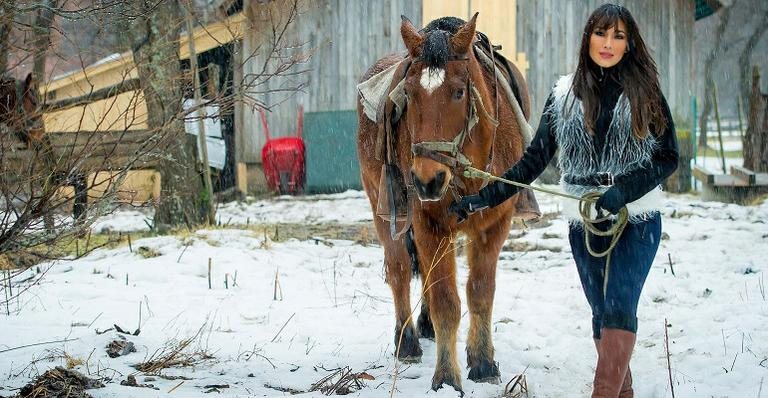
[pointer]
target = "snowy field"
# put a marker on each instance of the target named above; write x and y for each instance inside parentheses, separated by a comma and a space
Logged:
(334, 310)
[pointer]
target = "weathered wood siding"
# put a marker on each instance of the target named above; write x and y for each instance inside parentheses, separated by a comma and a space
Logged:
(497, 19)
(549, 33)
(345, 38)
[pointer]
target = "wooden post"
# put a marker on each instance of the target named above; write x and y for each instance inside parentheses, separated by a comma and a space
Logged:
(241, 170)
(719, 129)
(202, 141)
(241, 177)
(209, 274)
(739, 111)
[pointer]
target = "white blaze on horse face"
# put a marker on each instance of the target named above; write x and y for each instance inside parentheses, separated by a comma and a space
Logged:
(432, 78)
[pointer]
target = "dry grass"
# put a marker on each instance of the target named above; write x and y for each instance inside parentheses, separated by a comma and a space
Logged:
(60, 382)
(342, 381)
(174, 355)
(517, 387)
(148, 252)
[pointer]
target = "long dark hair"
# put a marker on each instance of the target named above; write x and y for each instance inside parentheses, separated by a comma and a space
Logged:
(636, 71)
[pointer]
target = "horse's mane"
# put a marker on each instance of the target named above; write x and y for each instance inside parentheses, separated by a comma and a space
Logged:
(437, 48)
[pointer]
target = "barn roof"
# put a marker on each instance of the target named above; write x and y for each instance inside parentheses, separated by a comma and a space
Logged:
(206, 38)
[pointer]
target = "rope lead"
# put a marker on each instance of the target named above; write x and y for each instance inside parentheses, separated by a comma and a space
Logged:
(585, 210)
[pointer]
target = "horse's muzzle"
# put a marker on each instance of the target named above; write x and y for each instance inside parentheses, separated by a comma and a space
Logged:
(431, 190)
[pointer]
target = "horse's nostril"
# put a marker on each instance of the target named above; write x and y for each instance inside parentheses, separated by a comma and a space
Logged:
(415, 179)
(431, 190)
(439, 179)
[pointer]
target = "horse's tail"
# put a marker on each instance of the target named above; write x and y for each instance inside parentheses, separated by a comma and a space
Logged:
(410, 245)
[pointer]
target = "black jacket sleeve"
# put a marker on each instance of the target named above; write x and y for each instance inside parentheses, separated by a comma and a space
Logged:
(638, 182)
(531, 165)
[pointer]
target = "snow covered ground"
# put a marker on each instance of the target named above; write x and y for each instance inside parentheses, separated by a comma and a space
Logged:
(334, 310)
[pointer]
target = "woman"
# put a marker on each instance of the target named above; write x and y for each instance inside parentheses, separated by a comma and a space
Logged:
(616, 136)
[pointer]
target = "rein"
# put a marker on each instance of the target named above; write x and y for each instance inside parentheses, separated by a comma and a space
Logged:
(585, 210)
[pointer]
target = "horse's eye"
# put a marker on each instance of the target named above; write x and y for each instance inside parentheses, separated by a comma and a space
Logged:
(458, 94)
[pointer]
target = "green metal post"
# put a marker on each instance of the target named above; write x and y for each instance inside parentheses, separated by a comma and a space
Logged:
(693, 137)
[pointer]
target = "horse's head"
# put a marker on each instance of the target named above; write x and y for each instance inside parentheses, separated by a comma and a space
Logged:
(440, 88)
(32, 116)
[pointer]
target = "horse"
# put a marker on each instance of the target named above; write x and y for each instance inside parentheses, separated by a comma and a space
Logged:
(452, 111)
(19, 109)
(20, 113)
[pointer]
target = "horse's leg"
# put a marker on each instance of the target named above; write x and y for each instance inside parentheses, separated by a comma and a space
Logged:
(438, 270)
(482, 254)
(397, 265)
(426, 329)
(80, 205)
(398, 268)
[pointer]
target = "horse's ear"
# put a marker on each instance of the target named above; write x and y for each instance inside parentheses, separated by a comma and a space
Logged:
(413, 40)
(29, 81)
(463, 38)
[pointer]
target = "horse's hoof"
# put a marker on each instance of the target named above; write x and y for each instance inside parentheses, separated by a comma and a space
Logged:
(408, 349)
(485, 372)
(453, 381)
(426, 330)
(410, 360)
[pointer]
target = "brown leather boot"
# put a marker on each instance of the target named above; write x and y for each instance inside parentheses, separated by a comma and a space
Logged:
(613, 353)
(626, 386)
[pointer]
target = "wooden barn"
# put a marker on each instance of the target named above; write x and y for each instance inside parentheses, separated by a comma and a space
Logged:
(346, 37)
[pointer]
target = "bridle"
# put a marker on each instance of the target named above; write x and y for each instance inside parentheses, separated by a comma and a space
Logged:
(449, 153)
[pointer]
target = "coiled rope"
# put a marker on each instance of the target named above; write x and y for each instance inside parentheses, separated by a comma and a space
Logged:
(586, 203)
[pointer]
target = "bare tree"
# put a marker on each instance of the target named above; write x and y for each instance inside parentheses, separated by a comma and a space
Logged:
(42, 37)
(6, 23)
(97, 163)
(745, 63)
(755, 141)
(43, 180)
(155, 36)
(709, 62)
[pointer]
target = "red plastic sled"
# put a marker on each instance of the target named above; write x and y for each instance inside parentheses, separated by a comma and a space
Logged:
(283, 159)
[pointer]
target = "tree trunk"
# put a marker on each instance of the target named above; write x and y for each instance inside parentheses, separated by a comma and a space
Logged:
(745, 63)
(6, 23)
(202, 138)
(42, 38)
(155, 51)
(755, 142)
(709, 81)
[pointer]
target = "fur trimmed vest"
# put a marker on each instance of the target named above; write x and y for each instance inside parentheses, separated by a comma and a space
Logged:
(622, 151)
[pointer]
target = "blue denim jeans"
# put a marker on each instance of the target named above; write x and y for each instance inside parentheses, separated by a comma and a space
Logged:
(631, 261)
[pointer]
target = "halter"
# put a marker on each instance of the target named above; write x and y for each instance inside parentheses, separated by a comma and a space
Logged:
(449, 153)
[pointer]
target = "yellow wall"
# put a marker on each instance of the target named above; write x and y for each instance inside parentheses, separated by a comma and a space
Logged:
(139, 186)
(497, 19)
(127, 111)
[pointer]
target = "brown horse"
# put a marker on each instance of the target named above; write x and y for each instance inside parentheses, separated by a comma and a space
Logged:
(19, 109)
(452, 99)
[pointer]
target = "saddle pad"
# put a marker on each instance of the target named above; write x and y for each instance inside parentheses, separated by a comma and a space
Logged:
(373, 92)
